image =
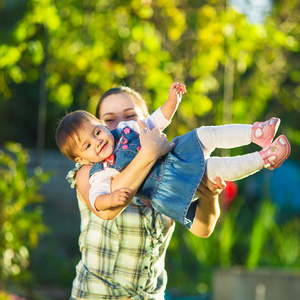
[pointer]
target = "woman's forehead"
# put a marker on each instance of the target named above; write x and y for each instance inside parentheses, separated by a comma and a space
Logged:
(116, 100)
(118, 103)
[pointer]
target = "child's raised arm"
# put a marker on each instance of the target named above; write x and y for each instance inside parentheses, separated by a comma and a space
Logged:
(175, 94)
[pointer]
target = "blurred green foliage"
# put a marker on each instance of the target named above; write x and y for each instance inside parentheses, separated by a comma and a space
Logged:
(244, 237)
(6, 296)
(235, 71)
(20, 214)
(82, 48)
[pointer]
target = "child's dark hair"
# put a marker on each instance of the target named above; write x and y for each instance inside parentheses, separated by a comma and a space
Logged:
(140, 102)
(68, 131)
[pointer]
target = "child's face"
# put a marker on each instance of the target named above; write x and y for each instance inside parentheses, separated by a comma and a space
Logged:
(95, 143)
(117, 108)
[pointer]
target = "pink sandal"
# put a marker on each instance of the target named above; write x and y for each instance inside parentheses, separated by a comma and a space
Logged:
(263, 132)
(276, 153)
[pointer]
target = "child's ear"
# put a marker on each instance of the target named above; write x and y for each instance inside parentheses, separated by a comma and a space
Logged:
(82, 160)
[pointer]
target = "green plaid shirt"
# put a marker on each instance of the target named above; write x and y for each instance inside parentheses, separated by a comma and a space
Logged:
(125, 257)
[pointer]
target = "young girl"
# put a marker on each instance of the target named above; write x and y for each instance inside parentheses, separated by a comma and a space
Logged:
(172, 182)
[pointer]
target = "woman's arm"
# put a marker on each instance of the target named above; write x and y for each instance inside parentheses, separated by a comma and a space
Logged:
(83, 187)
(208, 209)
(153, 145)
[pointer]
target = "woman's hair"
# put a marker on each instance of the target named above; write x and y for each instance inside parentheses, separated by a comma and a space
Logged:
(68, 131)
(139, 101)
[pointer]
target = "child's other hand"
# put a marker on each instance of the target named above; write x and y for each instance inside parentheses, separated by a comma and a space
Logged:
(119, 197)
(154, 143)
(176, 91)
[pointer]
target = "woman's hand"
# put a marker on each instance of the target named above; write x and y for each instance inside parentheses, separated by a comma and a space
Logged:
(153, 145)
(208, 189)
(153, 142)
(208, 208)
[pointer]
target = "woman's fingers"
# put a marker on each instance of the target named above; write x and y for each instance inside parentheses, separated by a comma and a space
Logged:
(207, 187)
(143, 127)
(171, 145)
(220, 183)
(155, 140)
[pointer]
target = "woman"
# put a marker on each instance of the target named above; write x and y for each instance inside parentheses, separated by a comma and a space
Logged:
(124, 258)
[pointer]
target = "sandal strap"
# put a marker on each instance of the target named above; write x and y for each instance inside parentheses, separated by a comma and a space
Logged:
(268, 164)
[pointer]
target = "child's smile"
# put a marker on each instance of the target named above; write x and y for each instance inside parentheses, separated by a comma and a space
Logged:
(103, 146)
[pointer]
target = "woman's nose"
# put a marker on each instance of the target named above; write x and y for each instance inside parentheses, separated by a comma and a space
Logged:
(120, 118)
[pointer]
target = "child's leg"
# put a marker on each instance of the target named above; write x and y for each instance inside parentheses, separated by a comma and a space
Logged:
(233, 168)
(238, 167)
(235, 135)
(225, 137)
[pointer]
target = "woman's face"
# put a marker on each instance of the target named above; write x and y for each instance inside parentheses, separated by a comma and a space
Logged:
(119, 107)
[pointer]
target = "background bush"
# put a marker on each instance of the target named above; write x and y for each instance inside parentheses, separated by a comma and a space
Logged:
(58, 56)
(21, 221)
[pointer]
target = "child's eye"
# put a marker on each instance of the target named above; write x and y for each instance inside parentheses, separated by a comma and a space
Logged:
(87, 146)
(98, 132)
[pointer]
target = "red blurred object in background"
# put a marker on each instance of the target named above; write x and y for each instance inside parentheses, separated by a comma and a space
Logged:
(229, 194)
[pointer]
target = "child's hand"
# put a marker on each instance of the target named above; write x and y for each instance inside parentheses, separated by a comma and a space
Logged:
(153, 142)
(119, 197)
(176, 91)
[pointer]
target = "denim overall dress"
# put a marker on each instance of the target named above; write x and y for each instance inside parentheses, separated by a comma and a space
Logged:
(172, 182)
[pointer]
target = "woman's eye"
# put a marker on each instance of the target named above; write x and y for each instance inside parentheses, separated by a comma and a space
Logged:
(98, 132)
(131, 116)
(108, 120)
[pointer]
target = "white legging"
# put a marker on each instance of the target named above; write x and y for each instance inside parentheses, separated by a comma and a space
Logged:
(227, 137)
